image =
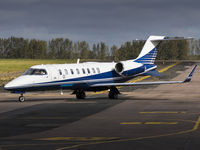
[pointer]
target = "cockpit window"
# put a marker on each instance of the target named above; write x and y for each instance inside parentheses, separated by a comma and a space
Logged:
(33, 71)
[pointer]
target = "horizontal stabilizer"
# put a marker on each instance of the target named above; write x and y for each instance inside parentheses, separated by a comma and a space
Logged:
(172, 39)
(188, 79)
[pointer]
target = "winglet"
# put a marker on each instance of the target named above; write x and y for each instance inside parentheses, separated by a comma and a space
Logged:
(188, 79)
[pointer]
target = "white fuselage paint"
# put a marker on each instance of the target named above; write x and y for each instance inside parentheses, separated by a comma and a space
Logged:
(59, 74)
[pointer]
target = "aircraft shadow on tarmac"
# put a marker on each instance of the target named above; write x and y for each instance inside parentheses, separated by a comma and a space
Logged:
(84, 100)
(37, 100)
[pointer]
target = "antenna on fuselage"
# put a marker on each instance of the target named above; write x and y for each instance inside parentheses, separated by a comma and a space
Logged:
(78, 60)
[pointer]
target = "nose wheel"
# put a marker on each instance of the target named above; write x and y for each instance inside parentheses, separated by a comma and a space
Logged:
(22, 98)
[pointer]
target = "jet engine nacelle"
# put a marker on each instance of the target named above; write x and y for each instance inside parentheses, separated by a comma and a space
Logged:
(128, 68)
(119, 67)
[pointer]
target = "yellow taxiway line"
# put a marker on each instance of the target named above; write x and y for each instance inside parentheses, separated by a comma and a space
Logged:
(160, 70)
(160, 123)
(163, 112)
(131, 123)
(148, 123)
(196, 126)
(114, 140)
(166, 68)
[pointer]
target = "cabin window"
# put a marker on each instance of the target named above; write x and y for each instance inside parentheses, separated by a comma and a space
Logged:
(93, 70)
(66, 72)
(98, 70)
(78, 72)
(72, 72)
(88, 70)
(60, 71)
(83, 70)
(33, 71)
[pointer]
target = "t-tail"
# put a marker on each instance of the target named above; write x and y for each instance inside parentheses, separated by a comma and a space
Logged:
(149, 51)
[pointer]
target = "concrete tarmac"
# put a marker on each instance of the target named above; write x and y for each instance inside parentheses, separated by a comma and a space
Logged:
(159, 117)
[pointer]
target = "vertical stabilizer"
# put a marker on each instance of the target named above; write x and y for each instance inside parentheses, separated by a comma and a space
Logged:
(149, 51)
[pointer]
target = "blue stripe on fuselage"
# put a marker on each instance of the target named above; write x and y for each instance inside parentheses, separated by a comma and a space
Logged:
(109, 74)
(106, 75)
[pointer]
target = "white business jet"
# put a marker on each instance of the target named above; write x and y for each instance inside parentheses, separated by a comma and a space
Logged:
(91, 76)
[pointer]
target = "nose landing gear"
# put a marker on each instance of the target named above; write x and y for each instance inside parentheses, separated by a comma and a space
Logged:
(21, 98)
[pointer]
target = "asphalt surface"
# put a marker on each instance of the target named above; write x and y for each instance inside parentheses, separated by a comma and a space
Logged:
(158, 117)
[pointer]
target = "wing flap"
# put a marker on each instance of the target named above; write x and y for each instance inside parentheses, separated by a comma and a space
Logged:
(136, 83)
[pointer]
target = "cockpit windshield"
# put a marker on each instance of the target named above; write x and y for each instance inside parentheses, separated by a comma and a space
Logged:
(33, 71)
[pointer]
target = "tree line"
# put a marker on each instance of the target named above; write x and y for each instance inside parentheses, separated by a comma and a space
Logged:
(167, 50)
(64, 48)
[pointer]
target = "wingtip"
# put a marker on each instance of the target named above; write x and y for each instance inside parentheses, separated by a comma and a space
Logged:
(189, 77)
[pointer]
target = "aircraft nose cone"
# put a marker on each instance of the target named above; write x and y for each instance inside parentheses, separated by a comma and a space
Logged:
(8, 86)
(11, 85)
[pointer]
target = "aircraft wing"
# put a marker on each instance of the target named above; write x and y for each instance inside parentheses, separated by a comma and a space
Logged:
(188, 79)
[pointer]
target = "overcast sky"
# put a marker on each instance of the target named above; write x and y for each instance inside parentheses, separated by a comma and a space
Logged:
(111, 21)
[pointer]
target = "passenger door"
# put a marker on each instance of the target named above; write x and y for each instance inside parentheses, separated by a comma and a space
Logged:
(53, 71)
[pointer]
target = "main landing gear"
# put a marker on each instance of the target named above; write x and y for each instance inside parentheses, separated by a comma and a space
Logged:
(21, 98)
(80, 94)
(113, 93)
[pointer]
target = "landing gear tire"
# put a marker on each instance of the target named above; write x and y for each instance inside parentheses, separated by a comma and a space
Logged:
(112, 95)
(21, 98)
(80, 95)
